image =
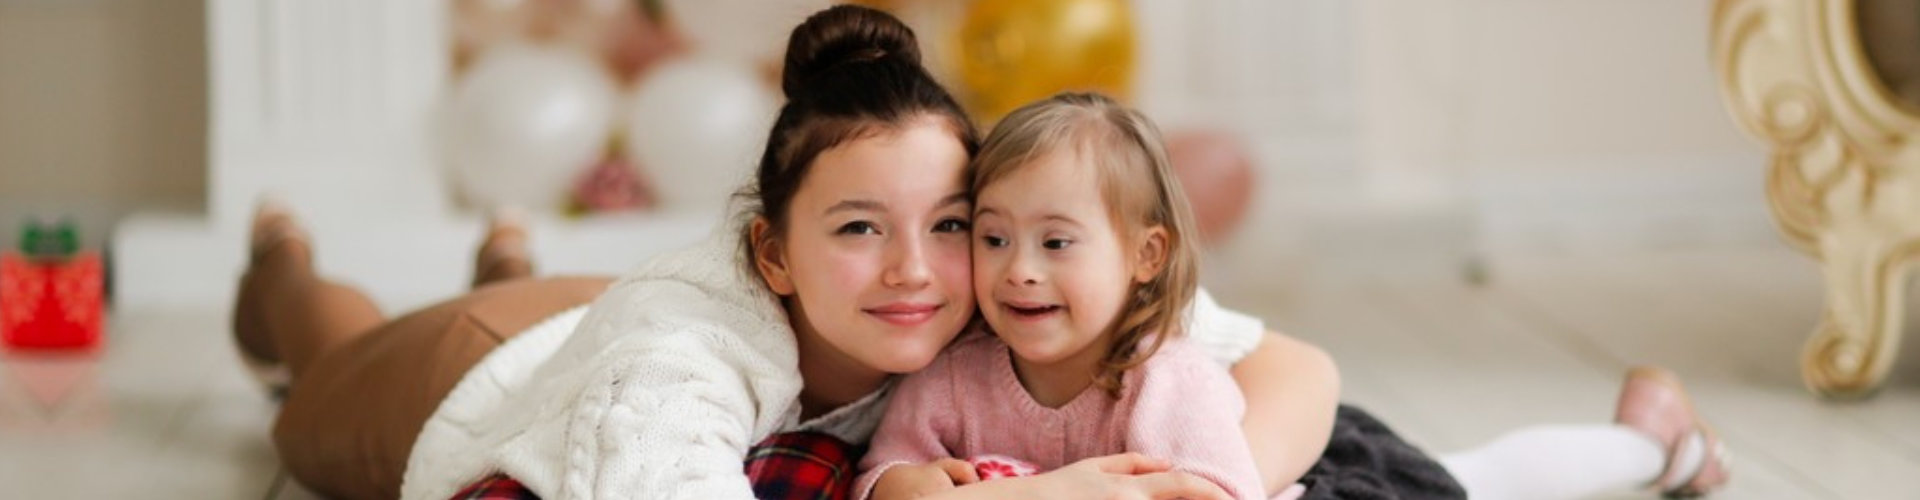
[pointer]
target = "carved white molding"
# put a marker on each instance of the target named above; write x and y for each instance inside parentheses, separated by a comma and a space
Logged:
(1842, 182)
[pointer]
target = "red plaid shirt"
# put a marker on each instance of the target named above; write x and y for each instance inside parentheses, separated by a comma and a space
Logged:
(792, 466)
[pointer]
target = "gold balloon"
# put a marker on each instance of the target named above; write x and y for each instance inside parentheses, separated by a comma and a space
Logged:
(886, 5)
(1012, 52)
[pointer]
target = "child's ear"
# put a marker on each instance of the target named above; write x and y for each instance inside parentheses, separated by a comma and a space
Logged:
(767, 257)
(1152, 255)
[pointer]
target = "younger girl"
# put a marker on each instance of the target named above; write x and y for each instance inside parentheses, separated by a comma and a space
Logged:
(1083, 263)
(1082, 268)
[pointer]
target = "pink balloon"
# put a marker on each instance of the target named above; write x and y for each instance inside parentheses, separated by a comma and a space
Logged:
(1216, 171)
(610, 186)
(619, 33)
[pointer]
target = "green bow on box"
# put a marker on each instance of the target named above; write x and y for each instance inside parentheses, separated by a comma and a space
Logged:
(40, 240)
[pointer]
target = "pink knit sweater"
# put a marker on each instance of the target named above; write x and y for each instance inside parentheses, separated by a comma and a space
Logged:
(1179, 406)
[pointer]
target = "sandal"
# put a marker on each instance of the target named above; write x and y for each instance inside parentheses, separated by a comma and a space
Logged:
(1653, 401)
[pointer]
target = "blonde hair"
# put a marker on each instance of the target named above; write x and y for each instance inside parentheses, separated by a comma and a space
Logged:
(1140, 191)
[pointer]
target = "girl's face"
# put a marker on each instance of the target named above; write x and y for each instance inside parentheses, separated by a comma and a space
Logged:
(1051, 271)
(874, 258)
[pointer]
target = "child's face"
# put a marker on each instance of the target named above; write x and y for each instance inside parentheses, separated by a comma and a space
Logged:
(874, 258)
(1051, 271)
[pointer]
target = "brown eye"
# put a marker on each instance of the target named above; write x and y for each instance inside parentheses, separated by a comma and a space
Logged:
(952, 226)
(858, 227)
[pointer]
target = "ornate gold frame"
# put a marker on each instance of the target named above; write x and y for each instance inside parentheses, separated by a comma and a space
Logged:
(1844, 179)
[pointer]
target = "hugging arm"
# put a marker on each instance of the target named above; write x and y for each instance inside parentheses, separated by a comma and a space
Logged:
(662, 421)
(1126, 475)
(1292, 392)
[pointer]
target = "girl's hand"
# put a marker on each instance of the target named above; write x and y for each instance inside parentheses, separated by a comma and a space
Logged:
(1136, 476)
(906, 481)
(1127, 476)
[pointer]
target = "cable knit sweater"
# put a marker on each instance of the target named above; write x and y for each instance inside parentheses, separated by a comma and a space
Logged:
(657, 389)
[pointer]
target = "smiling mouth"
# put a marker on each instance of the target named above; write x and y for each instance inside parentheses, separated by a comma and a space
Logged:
(1033, 312)
(904, 315)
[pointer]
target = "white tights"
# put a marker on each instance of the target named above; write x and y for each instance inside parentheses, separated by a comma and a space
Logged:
(1563, 462)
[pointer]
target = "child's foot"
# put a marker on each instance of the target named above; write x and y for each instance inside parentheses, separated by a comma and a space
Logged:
(1653, 402)
(503, 254)
(276, 239)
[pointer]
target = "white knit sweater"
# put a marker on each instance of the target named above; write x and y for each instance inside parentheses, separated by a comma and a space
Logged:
(658, 389)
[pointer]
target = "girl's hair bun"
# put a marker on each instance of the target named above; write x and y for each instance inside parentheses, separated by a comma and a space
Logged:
(845, 34)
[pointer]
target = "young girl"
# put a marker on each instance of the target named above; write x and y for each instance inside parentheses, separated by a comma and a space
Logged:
(1082, 268)
(1083, 264)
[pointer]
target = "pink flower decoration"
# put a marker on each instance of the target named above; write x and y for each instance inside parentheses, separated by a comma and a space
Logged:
(999, 466)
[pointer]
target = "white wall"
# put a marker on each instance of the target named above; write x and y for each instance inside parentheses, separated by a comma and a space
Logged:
(1500, 82)
(102, 110)
(1550, 79)
(1559, 124)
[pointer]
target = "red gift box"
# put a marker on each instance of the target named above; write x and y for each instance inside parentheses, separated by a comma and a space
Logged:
(51, 303)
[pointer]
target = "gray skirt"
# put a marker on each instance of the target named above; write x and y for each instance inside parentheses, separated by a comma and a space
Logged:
(1366, 460)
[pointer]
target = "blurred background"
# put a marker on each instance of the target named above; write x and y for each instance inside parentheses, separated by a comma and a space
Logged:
(1489, 126)
(1485, 209)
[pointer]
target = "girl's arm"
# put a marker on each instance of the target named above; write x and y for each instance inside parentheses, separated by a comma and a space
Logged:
(1292, 390)
(1127, 475)
(669, 386)
(676, 415)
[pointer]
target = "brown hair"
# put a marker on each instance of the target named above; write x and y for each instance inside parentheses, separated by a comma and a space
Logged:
(1140, 191)
(851, 72)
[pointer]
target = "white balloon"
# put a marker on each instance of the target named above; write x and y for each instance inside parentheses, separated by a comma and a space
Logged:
(746, 30)
(525, 122)
(697, 125)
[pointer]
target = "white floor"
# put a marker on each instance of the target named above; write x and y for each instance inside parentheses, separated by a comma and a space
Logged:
(167, 412)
